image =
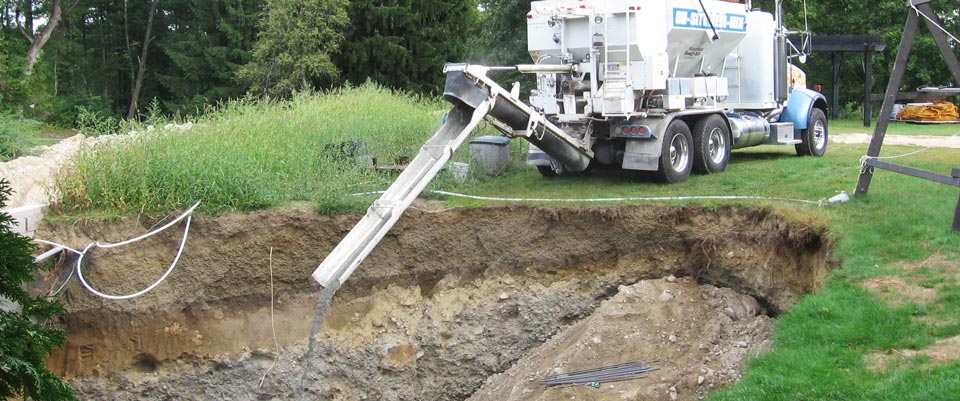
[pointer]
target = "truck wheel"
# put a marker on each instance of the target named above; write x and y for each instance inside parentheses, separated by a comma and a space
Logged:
(711, 145)
(676, 154)
(815, 136)
(547, 171)
(553, 170)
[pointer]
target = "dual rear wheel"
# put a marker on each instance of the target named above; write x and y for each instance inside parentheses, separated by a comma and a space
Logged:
(704, 150)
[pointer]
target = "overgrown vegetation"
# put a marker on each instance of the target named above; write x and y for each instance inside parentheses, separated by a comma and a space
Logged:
(24, 342)
(16, 135)
(249, 155)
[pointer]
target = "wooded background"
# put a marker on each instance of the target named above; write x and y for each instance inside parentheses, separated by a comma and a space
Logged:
(121, 57)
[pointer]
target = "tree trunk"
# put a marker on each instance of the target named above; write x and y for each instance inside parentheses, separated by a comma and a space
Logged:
(142, 69)
(36, 43)
(28, 16)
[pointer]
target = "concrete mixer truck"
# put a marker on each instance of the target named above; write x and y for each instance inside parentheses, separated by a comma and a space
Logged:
(665, 86)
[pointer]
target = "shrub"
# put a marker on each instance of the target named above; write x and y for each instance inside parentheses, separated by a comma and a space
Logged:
(23, 342)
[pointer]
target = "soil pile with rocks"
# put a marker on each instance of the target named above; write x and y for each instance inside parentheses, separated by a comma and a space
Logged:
(698, 336)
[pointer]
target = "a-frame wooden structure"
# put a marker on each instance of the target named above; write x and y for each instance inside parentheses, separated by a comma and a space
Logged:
(916, 9)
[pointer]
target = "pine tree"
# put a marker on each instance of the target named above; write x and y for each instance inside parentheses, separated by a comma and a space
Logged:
(24, 343)
(213, 39)
(295, 47)
(404, 44)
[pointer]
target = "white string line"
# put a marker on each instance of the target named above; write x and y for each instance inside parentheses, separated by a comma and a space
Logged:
(273, 324)
(54, 244)
(864, 158)
(623, 199)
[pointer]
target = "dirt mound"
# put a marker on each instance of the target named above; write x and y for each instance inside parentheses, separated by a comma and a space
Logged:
(445, 301)
(699, 336)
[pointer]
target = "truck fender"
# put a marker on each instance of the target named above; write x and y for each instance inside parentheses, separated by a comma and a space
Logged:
(799, 105)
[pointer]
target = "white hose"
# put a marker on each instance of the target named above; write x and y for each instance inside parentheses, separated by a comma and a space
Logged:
(151, 233)
(54, 244)
(183, 241)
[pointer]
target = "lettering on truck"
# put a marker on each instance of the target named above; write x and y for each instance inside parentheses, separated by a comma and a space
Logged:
(688, 18)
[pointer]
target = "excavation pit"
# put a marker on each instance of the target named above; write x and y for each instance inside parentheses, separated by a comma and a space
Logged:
(466, 302)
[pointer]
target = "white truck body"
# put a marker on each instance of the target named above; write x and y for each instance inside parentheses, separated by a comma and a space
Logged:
(667, 86)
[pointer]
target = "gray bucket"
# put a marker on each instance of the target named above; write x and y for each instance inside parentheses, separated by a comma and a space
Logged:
(490, 154)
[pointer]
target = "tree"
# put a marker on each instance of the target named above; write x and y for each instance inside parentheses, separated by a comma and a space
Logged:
(295, 47)
(38, 40)
(503, 38)
(12, 81)
(212, 40)
(24, 343)
(503, 33)
(142, 62)
(886, 18)
(404, 44)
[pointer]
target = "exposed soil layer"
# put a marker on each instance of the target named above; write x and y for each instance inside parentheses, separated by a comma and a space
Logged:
(445, 301)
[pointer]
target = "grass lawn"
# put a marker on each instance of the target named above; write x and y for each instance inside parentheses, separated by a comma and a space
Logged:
(847, 126)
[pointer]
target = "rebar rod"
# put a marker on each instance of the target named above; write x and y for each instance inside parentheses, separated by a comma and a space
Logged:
(619, 372)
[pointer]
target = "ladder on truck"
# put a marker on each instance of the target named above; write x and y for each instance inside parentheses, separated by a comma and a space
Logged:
(617, 76)
(385, 211)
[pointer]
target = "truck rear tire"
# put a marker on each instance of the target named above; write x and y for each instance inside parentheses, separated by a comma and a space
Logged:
(815, 136)
(555, 169)
(676, 153)
(547, 171)
(711, 145)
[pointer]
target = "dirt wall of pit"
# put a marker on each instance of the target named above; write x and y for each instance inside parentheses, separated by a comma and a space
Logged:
(454, 296)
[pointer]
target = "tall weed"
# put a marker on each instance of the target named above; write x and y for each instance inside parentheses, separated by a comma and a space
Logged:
(250, 154)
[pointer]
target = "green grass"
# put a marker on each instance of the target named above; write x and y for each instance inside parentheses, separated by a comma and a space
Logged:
(255, 155)
(17, 135)
(820, 345)
(847, 126)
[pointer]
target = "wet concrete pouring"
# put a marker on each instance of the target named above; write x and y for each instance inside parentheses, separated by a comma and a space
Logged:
(473, 303)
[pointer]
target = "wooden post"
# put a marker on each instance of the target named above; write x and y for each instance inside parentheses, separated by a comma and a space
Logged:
(956, 212)
(945, 49)
(889, 98)
(837, 58)
(868, 85)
